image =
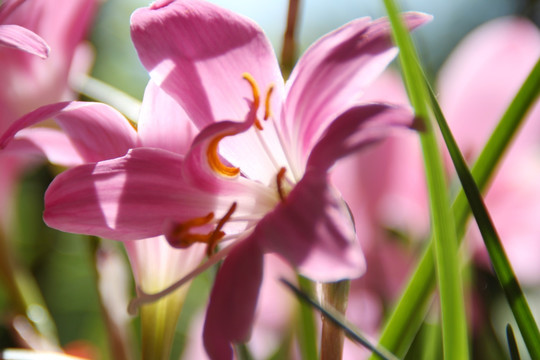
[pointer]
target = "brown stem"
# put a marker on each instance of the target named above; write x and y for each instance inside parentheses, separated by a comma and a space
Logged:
(333, 295)
(288, 52)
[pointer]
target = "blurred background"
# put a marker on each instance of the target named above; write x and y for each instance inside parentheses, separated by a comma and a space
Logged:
(64, 264)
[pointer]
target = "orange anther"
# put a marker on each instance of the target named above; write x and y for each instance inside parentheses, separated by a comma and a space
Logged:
(267, 110)
(279, 181)
(217, 234)
(254, 89)
(181, 237)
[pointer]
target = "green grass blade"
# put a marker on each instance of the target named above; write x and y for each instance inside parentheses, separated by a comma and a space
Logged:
(412, 304)
(455, 342)
(501, 264)
(512, 345)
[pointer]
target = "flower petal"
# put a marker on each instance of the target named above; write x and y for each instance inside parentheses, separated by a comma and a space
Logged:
(96, 130)
(17, 37)
(198, 52)
(312, 229)
(231, 309)
(333, 73)
(128, 198)
(45, 142)
(163, 123)
(356, 128)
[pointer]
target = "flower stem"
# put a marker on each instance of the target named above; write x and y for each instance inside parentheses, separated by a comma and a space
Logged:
(25, 293)
(288, 52)
(454, 326)
(158, 324)
(334, 295)
(307, 338)
(113, 298)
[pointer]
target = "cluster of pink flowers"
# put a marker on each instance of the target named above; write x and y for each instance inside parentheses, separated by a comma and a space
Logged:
(230, 163)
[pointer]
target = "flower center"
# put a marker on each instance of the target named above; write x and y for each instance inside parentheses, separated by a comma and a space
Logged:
(182, 235)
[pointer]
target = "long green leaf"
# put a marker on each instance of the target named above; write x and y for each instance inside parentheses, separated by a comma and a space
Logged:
(501, 264)
(455, 342)
(512, 345)
(407, 316)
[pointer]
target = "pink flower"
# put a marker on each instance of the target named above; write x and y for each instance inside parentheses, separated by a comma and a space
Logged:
(52, 30)
(30, 81)
(18, 37)
(256, 175)
(476, 86)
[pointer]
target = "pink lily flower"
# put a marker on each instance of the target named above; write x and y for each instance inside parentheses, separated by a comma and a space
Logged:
(96, 132)
(255, 179)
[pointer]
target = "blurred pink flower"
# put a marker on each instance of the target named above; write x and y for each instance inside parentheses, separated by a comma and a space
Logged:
(267, 187)
(18, 37)
(29, 81)
(476, 85)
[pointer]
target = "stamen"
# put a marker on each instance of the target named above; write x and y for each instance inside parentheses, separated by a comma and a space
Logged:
(212, 152)
(267, 110)
(215, 162)
(279, 181)
(181, 238)
(258, 125)
(254, 88)
(217, 234)
(256, 97)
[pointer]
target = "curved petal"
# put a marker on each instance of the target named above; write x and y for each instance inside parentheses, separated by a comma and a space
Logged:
(17, 37)
(163, 123)
(128, 198)
(356, 128)
(52, 144)
(333, 73)
(97, 131)
(313, 229)
(62, 23)
(198, 52)
(231, 309)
